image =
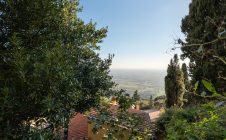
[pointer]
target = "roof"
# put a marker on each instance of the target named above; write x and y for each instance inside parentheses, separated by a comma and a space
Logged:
(144, 115)
(78, 127)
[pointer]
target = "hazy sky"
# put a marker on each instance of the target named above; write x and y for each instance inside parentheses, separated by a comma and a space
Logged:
(140, 32)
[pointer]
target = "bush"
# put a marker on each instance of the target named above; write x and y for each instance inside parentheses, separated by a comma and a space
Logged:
(197, 123)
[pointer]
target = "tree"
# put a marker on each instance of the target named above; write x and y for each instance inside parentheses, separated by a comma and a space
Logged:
(204, 28)
(49, 67)
(185, 72)
(174, 84)
(151, 101)
(136, 96)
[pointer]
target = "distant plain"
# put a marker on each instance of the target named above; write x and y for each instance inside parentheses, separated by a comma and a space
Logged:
(147, 82)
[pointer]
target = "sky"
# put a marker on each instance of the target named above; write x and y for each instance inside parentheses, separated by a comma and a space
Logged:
(140, 32)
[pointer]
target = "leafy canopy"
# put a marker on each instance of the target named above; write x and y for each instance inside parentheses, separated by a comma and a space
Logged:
(49, 67)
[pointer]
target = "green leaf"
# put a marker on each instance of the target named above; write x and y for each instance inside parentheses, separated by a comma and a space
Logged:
(216, 94)
(196, 85)
(209, 86)
(203, 93)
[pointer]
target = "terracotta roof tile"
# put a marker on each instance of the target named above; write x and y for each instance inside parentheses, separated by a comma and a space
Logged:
(78, 127)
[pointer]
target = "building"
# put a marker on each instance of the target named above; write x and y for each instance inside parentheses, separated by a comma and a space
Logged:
(80, 126)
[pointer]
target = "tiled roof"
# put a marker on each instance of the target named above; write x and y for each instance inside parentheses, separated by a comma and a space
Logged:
(78, 127)
(141, 113)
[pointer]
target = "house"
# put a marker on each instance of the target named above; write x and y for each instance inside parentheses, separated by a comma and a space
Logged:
(80, 127)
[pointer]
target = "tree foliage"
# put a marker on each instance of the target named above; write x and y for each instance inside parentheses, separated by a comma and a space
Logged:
(151, 101)
(174, 84)
(205, 121)
(204, 117)
(136, 96)
(204, 28)
(49, 67)
(185, 72)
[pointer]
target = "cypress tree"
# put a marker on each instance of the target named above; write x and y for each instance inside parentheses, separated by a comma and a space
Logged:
(185, 72)
(205, 23)
(174, 84)
(151, 101)
(136, 96)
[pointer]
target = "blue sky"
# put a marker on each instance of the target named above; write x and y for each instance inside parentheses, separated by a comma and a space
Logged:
(140, 32)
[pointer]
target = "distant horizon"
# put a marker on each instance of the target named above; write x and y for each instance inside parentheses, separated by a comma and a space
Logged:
(156, 69)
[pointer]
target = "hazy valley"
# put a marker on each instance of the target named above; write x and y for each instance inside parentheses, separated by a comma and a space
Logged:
(147, 82)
